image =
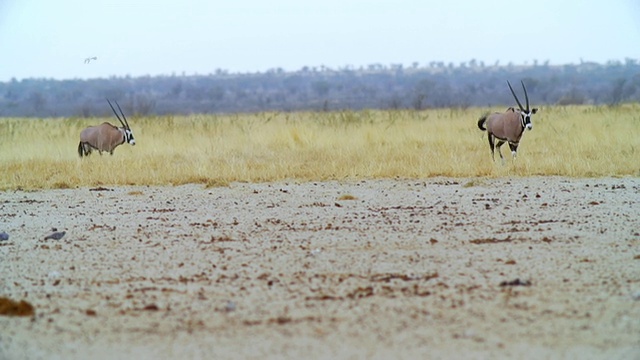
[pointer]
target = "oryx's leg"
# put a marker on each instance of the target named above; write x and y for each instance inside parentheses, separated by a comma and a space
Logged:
(514, 149)
(500, 143)
(86, 148)
(491, 144)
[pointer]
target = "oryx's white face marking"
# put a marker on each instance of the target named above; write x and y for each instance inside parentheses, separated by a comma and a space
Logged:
(526, 118)
(129, 137)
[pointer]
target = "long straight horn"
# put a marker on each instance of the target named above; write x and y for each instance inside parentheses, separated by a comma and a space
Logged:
(114, 111)
(514, 95)
(525, 94)
(127, 123)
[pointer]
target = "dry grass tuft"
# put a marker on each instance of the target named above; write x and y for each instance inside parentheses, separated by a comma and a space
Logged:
(213, 183)
(576, 141)
(347, 197)
(471, 183)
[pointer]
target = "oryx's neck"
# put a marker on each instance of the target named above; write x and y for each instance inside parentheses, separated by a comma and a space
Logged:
(522, 125)
(124, 135)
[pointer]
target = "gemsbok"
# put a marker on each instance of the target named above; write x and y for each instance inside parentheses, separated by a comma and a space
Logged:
(508, 126)
(105, 137)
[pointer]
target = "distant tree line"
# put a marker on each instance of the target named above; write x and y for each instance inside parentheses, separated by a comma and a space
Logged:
(374, 86)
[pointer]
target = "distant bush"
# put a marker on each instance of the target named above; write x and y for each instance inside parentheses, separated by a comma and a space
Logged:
(371, 87)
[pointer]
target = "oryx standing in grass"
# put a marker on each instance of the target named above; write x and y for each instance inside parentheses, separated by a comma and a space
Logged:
(105, 137)
(509, 125)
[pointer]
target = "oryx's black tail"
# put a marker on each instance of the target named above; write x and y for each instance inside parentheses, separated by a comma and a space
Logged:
(481, 122)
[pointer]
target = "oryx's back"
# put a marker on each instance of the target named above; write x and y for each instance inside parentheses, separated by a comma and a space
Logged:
(94, 131)
(105, 136)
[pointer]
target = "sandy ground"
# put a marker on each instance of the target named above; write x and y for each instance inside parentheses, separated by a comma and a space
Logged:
(441, 268)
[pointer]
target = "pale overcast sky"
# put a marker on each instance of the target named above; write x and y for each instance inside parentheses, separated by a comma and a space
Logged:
(51, 38)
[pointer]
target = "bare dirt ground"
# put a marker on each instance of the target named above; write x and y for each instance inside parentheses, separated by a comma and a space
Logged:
(442, 268)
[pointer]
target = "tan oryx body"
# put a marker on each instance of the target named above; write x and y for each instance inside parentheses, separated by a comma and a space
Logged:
(508, 126)
(105, 137)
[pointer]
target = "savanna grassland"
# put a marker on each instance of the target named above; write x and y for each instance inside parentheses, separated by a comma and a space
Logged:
(580, 141)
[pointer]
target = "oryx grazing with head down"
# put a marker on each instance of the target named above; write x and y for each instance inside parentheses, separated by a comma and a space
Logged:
(509, 125)
(105, 137)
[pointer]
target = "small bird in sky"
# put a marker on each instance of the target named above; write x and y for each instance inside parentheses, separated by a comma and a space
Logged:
(57, 235)
(88, 60)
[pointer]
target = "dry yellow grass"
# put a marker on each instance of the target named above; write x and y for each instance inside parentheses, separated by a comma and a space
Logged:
(583, 141)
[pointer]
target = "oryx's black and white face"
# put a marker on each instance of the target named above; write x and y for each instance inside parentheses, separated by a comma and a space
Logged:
(526, 118)
(129, 136)
(525, 114)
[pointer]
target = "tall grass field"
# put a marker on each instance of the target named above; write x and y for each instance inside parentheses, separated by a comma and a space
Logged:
(574, 141)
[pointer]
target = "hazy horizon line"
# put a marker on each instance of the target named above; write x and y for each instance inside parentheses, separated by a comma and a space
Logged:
(324, 68)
